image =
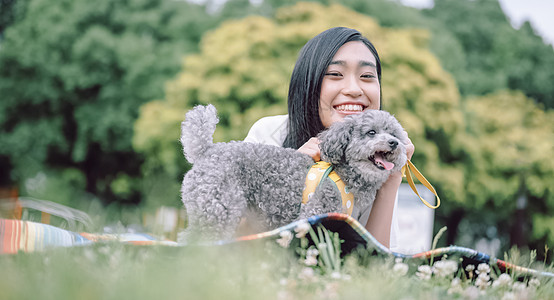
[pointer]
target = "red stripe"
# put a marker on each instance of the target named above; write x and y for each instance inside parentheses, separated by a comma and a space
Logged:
(16, 235)
(8, 237)
(2, 229)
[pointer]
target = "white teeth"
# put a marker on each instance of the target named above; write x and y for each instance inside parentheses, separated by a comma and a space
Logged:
(350, 107)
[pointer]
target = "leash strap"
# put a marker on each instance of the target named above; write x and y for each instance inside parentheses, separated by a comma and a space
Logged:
(411, 168)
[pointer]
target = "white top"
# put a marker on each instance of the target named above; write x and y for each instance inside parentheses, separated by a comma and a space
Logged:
(273, 130)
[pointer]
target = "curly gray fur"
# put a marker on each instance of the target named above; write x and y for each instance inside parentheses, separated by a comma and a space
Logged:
(201, 121)
(229, 179)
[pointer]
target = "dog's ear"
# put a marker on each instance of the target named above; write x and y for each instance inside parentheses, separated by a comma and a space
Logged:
(334, 140)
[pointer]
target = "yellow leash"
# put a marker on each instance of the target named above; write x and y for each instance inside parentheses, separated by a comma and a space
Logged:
(411, 168)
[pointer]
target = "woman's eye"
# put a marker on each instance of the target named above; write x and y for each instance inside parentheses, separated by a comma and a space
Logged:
(332, 74)
(368, 76)
(372, 132)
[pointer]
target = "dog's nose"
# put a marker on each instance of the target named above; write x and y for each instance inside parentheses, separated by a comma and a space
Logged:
(393, 144)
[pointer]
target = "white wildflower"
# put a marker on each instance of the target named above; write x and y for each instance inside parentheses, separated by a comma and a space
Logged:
(312, 252)
(519, 286)
(336, 275)
(534, 283)
(483, 268)
(310, 261)
(424, 272)
(444, 268)
(302, 229)
(508, 296)
(504, 280)
(455, 287)
(286, 237)
(471, 292)
(456, 282)
(400, 269)
(307, 273)
(469, 270)
(521, 291)
(283, 281)
(482, 281)
(311, 257)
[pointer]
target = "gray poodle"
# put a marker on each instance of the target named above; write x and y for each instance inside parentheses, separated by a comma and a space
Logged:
(229, 181)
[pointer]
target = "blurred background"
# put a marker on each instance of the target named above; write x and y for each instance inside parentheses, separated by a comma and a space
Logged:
(92, 95)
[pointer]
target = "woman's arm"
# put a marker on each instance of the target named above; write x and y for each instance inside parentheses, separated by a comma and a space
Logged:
(380, 217)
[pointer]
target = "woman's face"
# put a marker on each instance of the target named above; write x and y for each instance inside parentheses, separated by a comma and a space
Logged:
(350, 84)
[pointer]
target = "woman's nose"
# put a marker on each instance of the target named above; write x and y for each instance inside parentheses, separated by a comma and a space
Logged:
(352, 88)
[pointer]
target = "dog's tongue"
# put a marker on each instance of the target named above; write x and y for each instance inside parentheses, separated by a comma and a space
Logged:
(385, 163)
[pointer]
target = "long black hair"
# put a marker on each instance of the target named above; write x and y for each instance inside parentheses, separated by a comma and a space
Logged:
(305, 82)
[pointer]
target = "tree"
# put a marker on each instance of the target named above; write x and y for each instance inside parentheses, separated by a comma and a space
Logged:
(511, 141)
(495, 55)
(10, 12)
(72, 76)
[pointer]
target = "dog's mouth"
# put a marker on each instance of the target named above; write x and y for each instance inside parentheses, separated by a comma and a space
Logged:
(379, 159)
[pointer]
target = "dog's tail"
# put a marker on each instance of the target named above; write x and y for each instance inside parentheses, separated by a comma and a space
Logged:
(197, 131)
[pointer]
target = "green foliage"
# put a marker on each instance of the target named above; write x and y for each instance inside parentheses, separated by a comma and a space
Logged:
(495, 55)
(10, 12)
(73, 75)
(512, 141)
(63, 186)
(511, 144)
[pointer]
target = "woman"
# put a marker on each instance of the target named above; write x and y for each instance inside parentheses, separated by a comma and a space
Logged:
(337, 73)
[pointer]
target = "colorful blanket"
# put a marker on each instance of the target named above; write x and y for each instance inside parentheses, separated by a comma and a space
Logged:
(26, 236)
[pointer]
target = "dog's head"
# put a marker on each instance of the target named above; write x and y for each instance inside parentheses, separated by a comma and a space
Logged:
(372, 143)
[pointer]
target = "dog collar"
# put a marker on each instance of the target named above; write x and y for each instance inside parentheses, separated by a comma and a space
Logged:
(316, 174)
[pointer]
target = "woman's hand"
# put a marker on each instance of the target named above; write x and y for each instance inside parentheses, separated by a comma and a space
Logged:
(311, 147)
(410, 148)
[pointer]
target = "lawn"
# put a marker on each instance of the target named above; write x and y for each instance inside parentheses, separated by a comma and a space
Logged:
(285, 268)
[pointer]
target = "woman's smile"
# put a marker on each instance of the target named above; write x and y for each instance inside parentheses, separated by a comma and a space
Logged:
(348, 108)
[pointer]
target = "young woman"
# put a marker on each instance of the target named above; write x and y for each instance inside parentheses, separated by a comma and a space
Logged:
(337, 73)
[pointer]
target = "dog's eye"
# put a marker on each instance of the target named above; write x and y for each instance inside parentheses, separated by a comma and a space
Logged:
(372, 132)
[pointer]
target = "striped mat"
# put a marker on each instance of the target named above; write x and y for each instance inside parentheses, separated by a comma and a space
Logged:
(26, 236)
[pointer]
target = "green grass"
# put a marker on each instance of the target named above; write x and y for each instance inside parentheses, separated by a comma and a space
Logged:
(251, 270)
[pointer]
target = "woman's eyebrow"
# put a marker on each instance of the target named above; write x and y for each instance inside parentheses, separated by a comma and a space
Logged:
(338, 62)
(362, 63)
(365, 63)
